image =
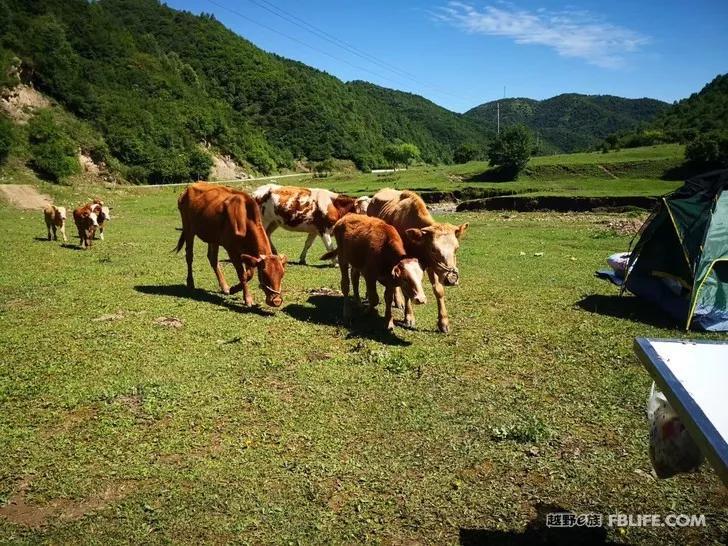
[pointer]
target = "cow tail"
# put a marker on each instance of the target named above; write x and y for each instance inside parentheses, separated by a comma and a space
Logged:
(329, 255)
(181, 242)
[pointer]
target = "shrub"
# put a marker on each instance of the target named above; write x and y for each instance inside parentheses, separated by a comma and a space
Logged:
(511, 150)
(53, 153)
(708, 149)
(199, 163)
(466, 152)
(6, 138)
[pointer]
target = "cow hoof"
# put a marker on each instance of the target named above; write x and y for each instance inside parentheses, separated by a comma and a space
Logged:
(226, 291)
(190, 285)
(390, 327)
(444, 327)
(409, 323)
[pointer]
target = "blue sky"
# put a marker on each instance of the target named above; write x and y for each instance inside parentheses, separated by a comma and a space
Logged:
(461, 53)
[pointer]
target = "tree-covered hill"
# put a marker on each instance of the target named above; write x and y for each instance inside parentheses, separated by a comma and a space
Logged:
(701, 112)
(157, 84)
(570, 122)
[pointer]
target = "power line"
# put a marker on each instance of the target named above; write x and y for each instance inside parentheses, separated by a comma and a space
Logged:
(320, 33)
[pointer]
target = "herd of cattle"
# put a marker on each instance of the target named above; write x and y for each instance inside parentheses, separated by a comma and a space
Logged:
(88, 218)
(390, 238)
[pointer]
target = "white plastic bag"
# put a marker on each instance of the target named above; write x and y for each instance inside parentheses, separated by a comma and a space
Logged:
(618, 262)
(672, 450)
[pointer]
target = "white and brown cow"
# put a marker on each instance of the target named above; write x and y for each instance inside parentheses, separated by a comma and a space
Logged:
(434, 244)
(55, 219)
(103, 215)
(308, 210)
(86, 220)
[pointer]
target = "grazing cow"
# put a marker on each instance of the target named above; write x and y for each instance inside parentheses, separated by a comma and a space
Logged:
(86, 220)
(434, 244)
(310, 210)
(231, 218)
(375, 250)
(55, 219)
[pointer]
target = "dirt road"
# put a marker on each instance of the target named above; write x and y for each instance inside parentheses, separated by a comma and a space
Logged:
(23, 196)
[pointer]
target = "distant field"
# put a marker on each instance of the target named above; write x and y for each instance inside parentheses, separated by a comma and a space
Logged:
(286, 426)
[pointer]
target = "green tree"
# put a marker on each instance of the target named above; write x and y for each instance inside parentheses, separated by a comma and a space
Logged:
(401, 154)
(709, 149)
(325, 167)
(511, 150)
(53, 154)
(200, 164)
(466, 152)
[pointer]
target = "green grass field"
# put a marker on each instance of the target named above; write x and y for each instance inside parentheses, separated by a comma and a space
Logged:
(285, 426)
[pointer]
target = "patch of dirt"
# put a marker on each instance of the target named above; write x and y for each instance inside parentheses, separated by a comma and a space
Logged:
(131, 401)
(21, 102)
(89, 166)
(443, 207)
(171, 322)
(21, 512)
(323, 291)
(71, 419)
(225, 168)
(23, 196)
(628, 226)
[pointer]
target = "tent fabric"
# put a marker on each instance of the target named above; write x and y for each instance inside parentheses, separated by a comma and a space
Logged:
(686, 242)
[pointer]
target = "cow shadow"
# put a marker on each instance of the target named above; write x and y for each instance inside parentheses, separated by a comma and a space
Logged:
(626, 307)
(537, 532)
(181, 291)
(327, 310)
(70, 246)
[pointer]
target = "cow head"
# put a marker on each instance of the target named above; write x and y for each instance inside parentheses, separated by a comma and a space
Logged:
(60, 214)
(271, 268)
(407, 275)
(439, 243)
(362, 204)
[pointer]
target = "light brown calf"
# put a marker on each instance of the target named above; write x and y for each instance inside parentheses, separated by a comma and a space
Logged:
(434, 244)
(55, 219)
(374, 249)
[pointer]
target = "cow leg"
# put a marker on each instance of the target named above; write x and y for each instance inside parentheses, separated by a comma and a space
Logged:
(269, 231)
(309, 241)
(372, 295)
(398, 298)
(247, 294)
(101, 233)
(388, 297)
(443, 323)
(344, 268)
(409, 313)
(329, 244)
(355, 275)
(212, 253)
(82, 237)
(190, 255)
(55, 236)
(63, 233)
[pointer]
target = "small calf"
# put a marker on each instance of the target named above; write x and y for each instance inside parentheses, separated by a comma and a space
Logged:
(86, 220)
(103, 216)
(375, 250)
(55, 219)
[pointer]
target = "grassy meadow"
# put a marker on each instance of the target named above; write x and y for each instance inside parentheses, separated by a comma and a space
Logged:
(136, 411)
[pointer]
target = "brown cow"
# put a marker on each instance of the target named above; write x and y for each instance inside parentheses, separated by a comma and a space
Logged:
(103, 215)
(434, 244)
(86, 220)
(374, 249)
(231, 218)
(309, 210)
(55, 219)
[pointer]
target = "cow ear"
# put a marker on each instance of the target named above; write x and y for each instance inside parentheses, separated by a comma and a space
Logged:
(461, 229)
(415, 234)
(397, 269)
(250, 261)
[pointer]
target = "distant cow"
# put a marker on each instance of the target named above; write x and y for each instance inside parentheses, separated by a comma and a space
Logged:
(309, 210)
(55, 219)
(375, 250)
(434, 244)
(229, 218)
(103, 216)
(86, 220)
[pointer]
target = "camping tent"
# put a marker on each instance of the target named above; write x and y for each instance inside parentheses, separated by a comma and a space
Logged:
(680, 261)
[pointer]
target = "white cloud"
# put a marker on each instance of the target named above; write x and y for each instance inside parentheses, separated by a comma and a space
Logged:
(576, 34)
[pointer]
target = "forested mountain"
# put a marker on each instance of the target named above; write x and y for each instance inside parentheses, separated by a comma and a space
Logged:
(701, 112)
(571, 121)
(156, 83)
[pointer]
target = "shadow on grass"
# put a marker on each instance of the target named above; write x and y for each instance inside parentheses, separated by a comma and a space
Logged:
(537, 533)
(181, 291)
(70, 246)
(626, 307)
(327, 310)
(495, 174)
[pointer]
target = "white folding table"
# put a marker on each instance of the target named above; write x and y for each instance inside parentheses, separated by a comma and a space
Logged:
(693, 375)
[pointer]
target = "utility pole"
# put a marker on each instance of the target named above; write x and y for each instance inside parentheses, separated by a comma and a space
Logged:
(498, 107)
